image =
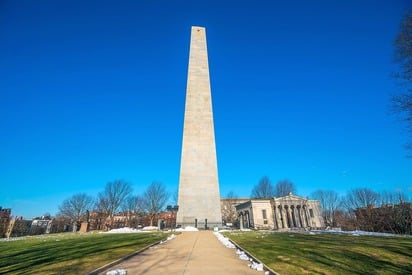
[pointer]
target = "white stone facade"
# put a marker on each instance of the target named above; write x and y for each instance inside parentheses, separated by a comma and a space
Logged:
(283, 213)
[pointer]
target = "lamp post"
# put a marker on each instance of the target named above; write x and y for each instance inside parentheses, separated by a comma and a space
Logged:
(173, 209)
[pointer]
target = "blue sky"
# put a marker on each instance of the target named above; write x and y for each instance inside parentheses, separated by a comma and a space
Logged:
(94, 91)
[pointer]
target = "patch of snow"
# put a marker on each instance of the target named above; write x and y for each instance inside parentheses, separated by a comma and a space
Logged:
(256, 266)
(12, 239)
(124, 230)
(117, 272)
(242, 255)
(365, 233)
(171, 237)
(149, 228)
(355, 233)
(187, 228)
(225, 241)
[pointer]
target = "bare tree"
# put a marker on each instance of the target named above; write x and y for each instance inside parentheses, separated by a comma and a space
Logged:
(360, 205)
(329, 202)
(113, 196)
(175, 197)
(395, 212)
(264, 189)
(391, 198)
(132, 204)
(75, 207)
(403, 45)
(360, 198)
(154, 199)
(284, 187)
(132, 208)
(229, 214)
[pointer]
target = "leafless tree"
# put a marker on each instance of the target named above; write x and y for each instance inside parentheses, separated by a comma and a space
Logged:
(132, 207)
(345, 220)
(392, 198)
(175, 197)
(114, 194)
(403, 45)
(395, 212)
(132, 204)
(360, 204)
(384, 212)
(229, 214)
(264, 189)
(284, 187)
(75, 207)
(154, 199)
(360, 198)
(329, 202)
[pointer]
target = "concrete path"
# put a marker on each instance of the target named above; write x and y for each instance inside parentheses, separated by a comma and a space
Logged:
(189, 253)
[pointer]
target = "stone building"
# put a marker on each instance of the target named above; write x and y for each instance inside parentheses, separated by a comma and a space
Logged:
(256, 214)
(5, 217)
(283, 213)
(229, 214)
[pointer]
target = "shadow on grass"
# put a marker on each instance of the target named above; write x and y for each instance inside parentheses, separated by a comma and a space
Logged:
(74, 254)
(295, 253)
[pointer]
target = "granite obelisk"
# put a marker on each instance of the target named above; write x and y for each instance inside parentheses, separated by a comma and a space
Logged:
(199, 198)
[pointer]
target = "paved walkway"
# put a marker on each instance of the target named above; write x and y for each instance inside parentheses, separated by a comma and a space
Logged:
(189, 253)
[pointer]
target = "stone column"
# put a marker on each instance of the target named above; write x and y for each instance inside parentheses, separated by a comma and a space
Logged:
(284, 217)
(292, 218)
(288, 216)
(306, 216)
(247, 219)
(278, 217)
(296, 214)
(302, 221)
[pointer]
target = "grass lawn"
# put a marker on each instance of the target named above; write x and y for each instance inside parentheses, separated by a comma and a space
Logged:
(298, 253)
(69, 253)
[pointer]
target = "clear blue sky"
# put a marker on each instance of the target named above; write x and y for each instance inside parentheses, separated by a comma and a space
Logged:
(93, 91)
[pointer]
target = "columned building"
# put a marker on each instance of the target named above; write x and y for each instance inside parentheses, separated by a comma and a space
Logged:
(283, 213)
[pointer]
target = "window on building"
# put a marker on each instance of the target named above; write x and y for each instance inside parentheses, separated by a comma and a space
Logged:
(311, 213)
(264, 214)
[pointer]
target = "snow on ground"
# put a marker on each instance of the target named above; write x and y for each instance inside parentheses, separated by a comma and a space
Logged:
(124, 230)
(132, 230)
(150, 228)
(242, 255)
(171, 237)
(225, 241)
(355, 233)
(187, 228)
(117, 272)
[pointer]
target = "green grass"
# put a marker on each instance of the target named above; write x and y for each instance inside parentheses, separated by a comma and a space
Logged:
(69, 253)
(296, 253)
